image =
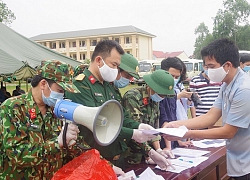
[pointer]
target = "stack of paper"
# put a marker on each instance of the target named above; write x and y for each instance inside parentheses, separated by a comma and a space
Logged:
(189, 152)
(178, 132)
(207, 143)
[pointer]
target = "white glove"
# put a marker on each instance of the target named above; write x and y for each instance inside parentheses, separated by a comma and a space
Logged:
(141, 137)
(118, 171)
(160, 160)
(165, 153)
(71, 135)
(145, 127)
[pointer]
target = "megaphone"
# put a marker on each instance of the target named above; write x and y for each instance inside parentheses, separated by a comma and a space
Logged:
(104, 121)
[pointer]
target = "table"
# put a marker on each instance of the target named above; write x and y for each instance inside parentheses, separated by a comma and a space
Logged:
(214, 168)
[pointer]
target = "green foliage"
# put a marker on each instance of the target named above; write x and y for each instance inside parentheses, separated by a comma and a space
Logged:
(230, 22)
(6, 15)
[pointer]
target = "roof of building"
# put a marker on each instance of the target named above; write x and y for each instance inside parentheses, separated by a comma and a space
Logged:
(91, 32)
(161, 54)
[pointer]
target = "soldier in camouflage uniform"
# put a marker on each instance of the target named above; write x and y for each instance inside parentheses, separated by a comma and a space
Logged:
(30, 135)
(79, 69)
(143, 106)
(95, 84)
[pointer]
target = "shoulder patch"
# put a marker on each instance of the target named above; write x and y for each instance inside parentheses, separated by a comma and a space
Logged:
(80, 77)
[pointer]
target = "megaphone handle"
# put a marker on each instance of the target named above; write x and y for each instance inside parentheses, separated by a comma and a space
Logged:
(64, 135)
(71, 142)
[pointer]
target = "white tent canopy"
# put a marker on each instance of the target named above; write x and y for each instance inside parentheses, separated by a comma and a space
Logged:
(16, 50)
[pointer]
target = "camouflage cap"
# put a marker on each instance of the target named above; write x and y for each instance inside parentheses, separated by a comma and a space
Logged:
(59, 72)
(161, 82)
(79, 69)
(130, 65)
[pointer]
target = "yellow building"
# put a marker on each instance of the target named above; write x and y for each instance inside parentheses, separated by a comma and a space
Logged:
(80, 44)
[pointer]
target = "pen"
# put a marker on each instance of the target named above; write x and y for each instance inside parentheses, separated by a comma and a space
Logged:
(185, 161)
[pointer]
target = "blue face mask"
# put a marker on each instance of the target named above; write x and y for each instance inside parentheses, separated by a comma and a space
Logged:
(53, 97)
(156, 98)
(176, 81)
(121, 83)
(206, 71)
(246, 68)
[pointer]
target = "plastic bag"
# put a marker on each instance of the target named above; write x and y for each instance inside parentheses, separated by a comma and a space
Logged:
(87, 166)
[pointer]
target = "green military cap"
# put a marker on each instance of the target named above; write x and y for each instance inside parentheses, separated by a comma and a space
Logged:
(59, 72)
(161, 82)
(79, 69)
(130, 65)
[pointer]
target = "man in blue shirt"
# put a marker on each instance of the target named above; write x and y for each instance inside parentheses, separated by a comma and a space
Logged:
(222, 59)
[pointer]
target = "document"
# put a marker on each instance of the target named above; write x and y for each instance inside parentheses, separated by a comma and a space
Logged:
(189, 152)
(149, 174)
(178, 132)
(207, 143)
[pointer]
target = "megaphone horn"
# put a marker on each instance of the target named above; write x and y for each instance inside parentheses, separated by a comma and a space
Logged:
(104, 121)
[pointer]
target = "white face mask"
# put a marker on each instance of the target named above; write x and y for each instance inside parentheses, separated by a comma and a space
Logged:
(108, 74)
(218, 74)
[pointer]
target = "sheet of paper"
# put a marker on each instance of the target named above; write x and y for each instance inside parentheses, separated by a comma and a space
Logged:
(188, 162)
(130, 175)
(178, 132)
(189, 152)
(177, 169)
(206, 143)
(148, 174)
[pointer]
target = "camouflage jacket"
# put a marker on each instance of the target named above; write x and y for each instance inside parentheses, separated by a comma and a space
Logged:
(140, 107)
(28, 140)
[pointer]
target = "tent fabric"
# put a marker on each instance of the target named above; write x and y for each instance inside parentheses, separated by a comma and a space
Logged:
(17, 50)
(24, 72)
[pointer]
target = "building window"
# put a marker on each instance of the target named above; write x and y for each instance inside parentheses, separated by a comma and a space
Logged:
(93, 42)
(128, 40)
(61, 44)
(82, 44)
(117, 40)
(73, 56)
(82, 56)
(137, 41)
(53, 45)
(73, 44)
(128, 52)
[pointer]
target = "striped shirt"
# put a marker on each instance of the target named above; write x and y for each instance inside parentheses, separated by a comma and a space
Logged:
(207, 90)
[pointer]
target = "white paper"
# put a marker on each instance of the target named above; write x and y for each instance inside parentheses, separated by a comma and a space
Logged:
(177, 169)
(206, 143)
(128, 176)
(148, 174)
(188, 162)
(178, 132)
(189, 152)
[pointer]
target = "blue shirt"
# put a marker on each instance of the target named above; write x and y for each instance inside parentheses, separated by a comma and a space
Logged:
(233, 100)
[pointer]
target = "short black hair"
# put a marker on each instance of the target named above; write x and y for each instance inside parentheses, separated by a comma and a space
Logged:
(176, 63)
(222, 50)
(104, 47)
(37, 78)
(244, 57)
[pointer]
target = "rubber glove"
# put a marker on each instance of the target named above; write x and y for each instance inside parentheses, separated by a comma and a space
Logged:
(71, 135)
(160, 160)
(165, 153)
(141, 137)
(145, 127)
(118, 171)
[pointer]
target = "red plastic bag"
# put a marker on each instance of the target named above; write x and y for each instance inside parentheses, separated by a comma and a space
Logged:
(85, 167)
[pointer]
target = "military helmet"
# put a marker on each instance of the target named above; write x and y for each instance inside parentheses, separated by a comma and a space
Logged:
(130, 65)
(161, 82)
(59, 72)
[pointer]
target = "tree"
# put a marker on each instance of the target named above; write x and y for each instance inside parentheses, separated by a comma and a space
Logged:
(230, 22)
(202, 32)
(6, 15)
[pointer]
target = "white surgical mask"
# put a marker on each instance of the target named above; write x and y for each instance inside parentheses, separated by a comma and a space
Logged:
(53, 97)
(122, 82)
(108, 74)
(218, 74)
